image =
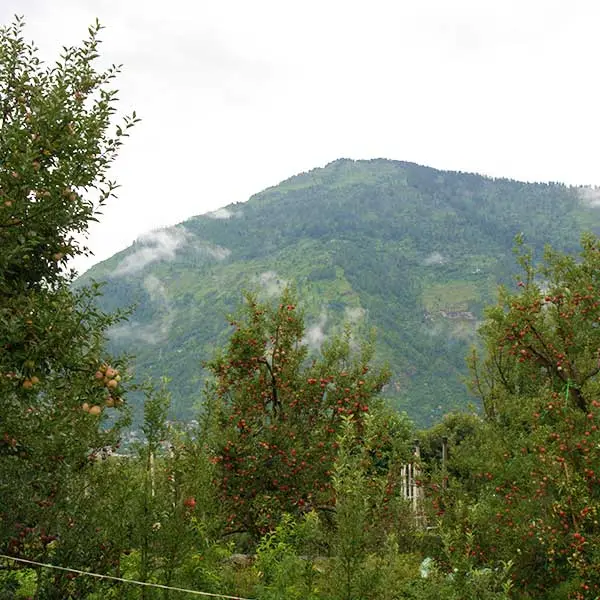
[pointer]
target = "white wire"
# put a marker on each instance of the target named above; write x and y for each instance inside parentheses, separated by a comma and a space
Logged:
(112, 578)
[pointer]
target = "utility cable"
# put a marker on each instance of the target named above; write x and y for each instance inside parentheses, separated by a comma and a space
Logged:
(122, 580)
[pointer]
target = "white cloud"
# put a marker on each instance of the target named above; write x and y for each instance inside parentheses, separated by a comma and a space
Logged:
(158, 330)
(590, 195)
(435, 258)
(354, 315)
(270, 283)
(152, 247)
(222, 213)
(163, 245)
(156, 289)
(212, 250)
(315, 333)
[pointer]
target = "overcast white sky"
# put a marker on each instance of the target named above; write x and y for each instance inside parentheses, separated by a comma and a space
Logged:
(237, 95)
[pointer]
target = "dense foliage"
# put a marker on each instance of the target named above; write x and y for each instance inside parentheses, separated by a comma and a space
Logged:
(527, 478)
(280, 414)
(56, 381)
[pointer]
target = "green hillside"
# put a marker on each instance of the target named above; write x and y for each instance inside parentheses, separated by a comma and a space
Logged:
(411, 251)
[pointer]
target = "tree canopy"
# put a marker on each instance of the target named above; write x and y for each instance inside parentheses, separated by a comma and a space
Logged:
(279, 412)
(58, 138)
(525, 485)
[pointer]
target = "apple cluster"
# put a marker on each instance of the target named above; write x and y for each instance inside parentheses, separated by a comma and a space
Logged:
(109, 378)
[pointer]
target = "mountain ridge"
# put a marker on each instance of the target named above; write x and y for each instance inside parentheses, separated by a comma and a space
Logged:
(415, 251)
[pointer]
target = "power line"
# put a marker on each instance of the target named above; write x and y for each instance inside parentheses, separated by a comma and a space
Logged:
(121, 579)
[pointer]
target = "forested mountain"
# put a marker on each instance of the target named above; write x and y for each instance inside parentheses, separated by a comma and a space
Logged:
(414, 252)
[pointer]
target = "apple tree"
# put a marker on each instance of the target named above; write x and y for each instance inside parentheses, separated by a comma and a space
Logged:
(277, 413)
(60, 394)
(529, 486)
